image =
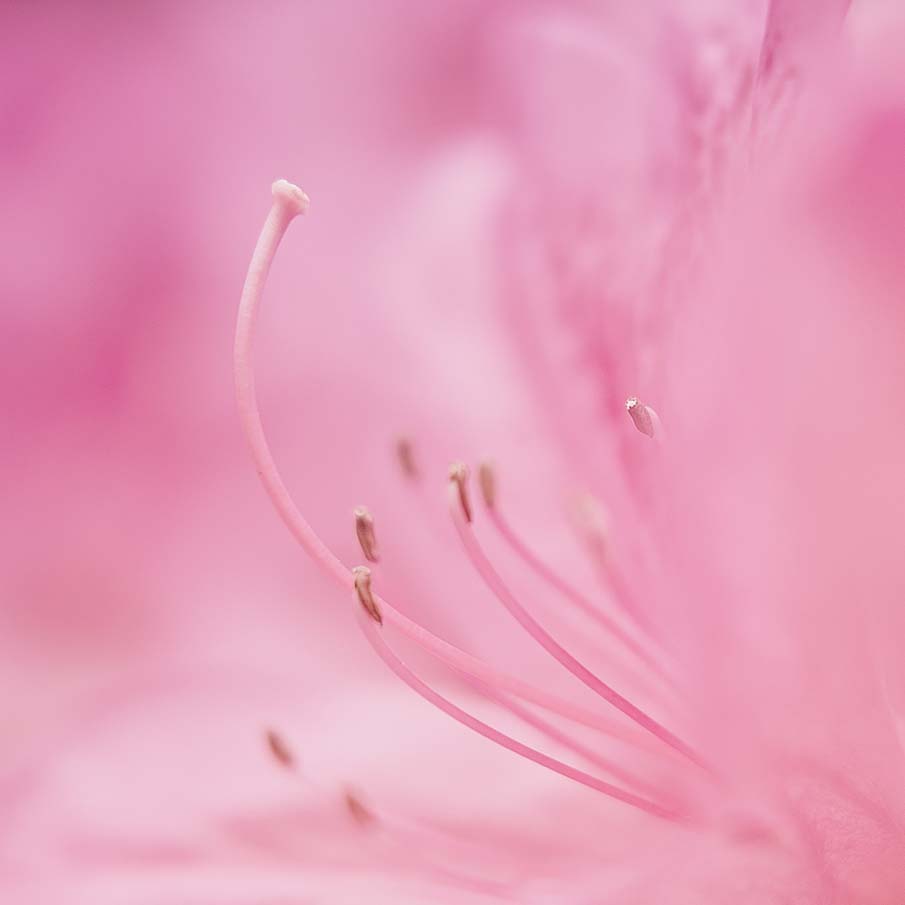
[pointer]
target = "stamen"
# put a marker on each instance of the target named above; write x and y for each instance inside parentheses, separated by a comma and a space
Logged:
(576, 714)
(558, 583)
(496, 584)
(487, 482)
(643, 416)
(591, 755)
(592, 527)
(406, 455)
(362, 576)
(364, 529)
(280, 750)
(436, 847)
(362, 815)
(458, 476)
(380, 647)
(287, 203)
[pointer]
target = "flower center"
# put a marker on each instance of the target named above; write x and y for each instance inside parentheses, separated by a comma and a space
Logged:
(376, 614)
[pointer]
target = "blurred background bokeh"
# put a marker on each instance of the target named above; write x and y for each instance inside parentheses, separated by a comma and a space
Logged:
(155, 617)
(138, 145)
(138, 142)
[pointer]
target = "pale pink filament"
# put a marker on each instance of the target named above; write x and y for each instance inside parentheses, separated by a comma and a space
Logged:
(404, 841)
(288, 202)
(414, 835)
(501, 590)
(374, 636)
(549, 575)
(587, 718)
(591, 755)
(618, 586)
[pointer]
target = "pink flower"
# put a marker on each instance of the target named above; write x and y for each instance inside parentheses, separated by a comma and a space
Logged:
(698, 698)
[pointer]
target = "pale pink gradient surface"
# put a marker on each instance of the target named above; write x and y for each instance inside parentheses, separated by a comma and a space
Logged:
(522, 214)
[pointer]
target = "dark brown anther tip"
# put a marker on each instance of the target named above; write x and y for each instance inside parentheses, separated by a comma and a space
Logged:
(405, 453)
(362, 576)
(487, 483)
(458, 474)
(359, 812)
(280, 750)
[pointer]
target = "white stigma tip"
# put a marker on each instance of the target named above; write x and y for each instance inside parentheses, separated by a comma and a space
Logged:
(291, 195)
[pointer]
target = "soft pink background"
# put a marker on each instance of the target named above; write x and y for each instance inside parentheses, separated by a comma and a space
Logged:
(490, 185)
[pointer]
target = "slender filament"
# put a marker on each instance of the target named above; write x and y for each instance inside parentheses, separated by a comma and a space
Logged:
(288, 202)
(501, 590)
(374, 636)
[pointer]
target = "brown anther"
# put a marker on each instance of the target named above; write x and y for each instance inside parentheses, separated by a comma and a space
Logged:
(640, 415)
(487, 483)
(364, 528)
(280, 750)
(458, 474)
(363, 590)
(406, 455)
(361, 814)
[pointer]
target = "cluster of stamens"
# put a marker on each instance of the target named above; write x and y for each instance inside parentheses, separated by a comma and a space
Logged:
(376, 613)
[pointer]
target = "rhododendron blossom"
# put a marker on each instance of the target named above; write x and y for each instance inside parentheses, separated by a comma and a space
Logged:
(603, 601)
